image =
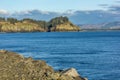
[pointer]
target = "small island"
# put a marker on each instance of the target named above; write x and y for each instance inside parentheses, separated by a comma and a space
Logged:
(58, 24)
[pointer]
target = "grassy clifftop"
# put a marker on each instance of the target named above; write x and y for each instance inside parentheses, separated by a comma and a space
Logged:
(30, 25)
(20, 27)
(62, 24)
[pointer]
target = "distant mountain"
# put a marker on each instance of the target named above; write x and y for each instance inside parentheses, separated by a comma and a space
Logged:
(93, 17)
(77, 17)
(110, 26)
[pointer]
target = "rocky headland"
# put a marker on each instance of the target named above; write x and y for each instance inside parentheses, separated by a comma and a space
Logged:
(16, 67)
(58, 24)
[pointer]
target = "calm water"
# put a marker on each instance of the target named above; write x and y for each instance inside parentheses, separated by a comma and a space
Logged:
(95, 55)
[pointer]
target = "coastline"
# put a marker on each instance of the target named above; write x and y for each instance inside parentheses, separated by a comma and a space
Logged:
(15, 66)
(64, 31)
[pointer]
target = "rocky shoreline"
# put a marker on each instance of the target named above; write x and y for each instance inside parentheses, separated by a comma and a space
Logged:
(16, 67)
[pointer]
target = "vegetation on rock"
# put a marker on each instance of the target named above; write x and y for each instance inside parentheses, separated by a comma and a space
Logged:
(30, 25)
(61, 24)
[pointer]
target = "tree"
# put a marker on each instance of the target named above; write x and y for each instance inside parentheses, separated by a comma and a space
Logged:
(29, 20)
(12, 20)
(0, 27)
(2, 19)
(58, 20)
(42, 24)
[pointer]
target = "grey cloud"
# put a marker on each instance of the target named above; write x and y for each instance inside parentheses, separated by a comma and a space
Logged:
(115, 8)
(103, 5)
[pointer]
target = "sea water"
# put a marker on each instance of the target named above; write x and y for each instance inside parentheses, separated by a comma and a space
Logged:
(95, 55)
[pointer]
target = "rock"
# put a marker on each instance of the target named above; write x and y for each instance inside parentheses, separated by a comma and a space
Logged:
(16, 67)
(58, 24)
(85, 78)
(73, 73)
(3, 51)
(62, 24)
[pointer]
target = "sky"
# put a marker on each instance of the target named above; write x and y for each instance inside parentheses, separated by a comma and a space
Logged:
(56, 5)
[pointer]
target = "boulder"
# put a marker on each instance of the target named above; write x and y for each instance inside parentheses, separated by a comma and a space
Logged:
(73, 73)
(3, 51)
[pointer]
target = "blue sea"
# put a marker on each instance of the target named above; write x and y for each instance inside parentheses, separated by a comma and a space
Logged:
(96, 55)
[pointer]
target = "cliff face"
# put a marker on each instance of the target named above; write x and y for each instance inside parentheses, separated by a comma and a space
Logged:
(65, 27)
(62, 24)
(29, 25)
(17, 67)
(20, 27)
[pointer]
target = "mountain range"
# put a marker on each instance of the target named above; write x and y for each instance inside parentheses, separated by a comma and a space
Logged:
(102, 26)
(77, 17)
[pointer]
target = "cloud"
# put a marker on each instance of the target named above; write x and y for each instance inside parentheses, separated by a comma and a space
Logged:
(103, 5)
(2, 11)
(117, 1)
(114, 8)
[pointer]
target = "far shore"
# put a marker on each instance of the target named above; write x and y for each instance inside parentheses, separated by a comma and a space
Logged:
(84, 30)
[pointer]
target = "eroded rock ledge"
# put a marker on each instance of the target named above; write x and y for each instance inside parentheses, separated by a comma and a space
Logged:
(16, 67)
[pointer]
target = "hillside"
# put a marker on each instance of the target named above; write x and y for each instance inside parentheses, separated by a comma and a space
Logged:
(30, 25)
(20, 27)
(61, 24)
(103, 26)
